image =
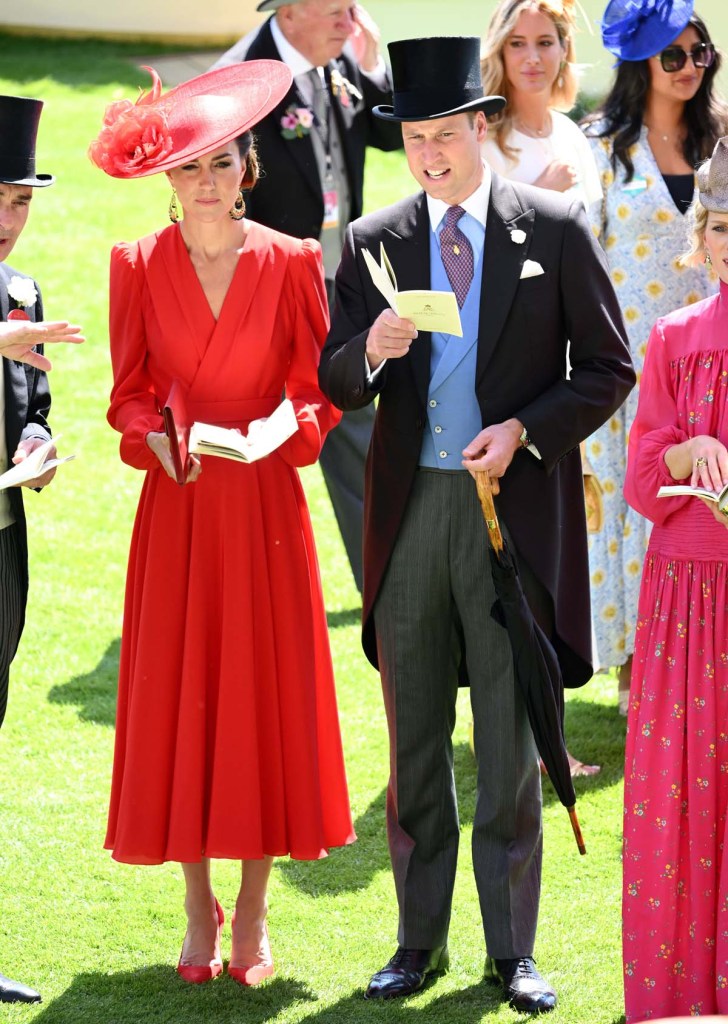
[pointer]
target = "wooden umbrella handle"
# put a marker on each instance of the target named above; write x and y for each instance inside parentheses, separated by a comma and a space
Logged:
(577, 830)
(485, 494)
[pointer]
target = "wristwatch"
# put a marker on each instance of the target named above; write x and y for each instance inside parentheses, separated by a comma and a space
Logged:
(524, 440)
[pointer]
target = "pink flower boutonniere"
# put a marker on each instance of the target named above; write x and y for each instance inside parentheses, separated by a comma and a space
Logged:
(296, 122)
(343, 89)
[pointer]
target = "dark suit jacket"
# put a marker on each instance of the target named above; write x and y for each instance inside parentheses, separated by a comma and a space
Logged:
(27, 403)
(521, 372)
(288, 195)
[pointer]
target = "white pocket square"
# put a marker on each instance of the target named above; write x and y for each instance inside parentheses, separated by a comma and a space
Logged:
(531, 269)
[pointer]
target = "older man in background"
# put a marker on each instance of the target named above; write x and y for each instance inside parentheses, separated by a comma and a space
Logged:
(315, 141)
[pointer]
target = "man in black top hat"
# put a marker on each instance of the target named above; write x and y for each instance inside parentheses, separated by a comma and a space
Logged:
(313, 147)
(527, 276)
(24, 395)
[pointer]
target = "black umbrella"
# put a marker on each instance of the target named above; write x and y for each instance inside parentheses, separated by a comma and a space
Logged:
(535, 663)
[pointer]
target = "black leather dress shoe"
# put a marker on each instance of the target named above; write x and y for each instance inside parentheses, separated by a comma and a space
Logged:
(16, 992)
(523, 985)
(407, 972)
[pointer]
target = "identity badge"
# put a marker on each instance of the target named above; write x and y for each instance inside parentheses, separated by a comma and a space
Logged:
(636, 185)
(331, 207)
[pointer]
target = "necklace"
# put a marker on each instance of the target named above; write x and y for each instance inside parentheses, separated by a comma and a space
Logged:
(534, 133)
(662, 135)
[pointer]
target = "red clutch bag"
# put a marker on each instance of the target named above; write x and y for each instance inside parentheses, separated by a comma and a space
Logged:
(177, 428)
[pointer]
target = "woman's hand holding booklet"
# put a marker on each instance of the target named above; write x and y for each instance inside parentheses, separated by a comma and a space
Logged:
(719, 497)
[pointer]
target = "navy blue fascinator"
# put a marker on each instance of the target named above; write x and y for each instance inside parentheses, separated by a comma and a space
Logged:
(637, 29)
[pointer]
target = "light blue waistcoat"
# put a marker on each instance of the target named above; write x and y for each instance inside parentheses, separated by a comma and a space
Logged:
(453, 413)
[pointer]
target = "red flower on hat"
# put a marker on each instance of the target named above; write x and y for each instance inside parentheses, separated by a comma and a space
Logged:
(134, 134)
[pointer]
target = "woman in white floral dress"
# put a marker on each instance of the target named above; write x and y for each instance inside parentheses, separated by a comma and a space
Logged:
(659, 121)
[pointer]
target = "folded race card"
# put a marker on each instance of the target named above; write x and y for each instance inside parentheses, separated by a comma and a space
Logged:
(428, 311)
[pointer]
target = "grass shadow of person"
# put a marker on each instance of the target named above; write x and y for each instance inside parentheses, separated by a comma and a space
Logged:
(94, 692)
(465, 1006)
(343, 617)
(156, 995)
(352, 868)
(595, 734)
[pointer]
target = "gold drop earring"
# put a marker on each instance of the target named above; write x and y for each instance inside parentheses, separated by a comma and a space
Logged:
(238, 210)
(173, 208)
(708, 261)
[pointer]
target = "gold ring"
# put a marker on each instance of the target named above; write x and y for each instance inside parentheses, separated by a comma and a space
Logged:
(724, 510)
(701, 461)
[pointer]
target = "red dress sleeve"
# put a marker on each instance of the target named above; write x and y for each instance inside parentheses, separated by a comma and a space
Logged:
(134, 409)
(306, 289)
(654, 431)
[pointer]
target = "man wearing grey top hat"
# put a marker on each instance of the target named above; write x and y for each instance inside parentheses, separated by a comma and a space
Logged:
(528, 278)
(24, 395)
(315, 141)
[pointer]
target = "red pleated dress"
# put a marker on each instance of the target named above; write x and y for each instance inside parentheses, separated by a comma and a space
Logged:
(227, 733)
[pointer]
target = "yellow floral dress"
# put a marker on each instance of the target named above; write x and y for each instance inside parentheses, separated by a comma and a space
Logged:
(643, 233)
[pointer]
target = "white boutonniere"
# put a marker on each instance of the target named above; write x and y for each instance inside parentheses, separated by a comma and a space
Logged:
(22, 291)
(518, 236)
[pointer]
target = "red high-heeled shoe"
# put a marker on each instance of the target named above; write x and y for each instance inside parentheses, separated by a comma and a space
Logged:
(198, 974)
(253, 974)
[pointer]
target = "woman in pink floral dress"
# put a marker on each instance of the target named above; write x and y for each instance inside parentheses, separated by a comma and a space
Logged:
(675, 898)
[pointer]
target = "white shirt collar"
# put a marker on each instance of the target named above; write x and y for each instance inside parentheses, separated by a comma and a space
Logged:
(476, 204)
(298, 64)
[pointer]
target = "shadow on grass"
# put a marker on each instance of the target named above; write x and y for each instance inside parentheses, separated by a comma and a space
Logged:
(466, 1006)
(344, 617)
(595, 734)
(78, 62)
(154, 994)
(94, 692)
(352, 869)
(151, 995)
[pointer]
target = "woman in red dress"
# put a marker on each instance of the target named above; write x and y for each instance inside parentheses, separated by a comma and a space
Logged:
(675, 896)
(227, 735)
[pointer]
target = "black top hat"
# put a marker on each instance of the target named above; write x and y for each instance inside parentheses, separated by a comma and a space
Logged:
(19, 119)
(435, 78)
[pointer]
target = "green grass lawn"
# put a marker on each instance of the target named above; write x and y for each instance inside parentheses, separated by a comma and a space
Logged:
(101, 940)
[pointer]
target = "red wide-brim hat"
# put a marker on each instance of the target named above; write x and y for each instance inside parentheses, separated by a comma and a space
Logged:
(160, 132)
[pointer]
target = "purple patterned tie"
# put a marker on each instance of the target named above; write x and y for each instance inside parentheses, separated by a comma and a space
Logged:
(457, 254)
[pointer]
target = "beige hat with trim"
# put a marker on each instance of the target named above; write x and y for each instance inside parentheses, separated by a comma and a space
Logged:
(713, 179)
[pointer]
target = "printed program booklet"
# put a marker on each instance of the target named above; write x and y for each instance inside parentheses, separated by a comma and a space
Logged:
(428, 311)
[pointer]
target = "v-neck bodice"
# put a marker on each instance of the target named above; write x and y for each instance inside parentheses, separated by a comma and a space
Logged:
(239, 261)
(168, 331)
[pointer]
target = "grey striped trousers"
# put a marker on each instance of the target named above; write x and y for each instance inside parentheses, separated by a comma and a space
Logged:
(434, 601)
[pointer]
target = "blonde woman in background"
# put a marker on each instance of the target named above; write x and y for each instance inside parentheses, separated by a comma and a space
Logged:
(528, 57)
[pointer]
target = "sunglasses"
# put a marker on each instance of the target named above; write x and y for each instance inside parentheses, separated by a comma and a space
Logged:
(674, 58)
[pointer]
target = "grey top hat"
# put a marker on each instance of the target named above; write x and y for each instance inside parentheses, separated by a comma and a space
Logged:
(713, 179)
(19, 119)
(436, 77)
